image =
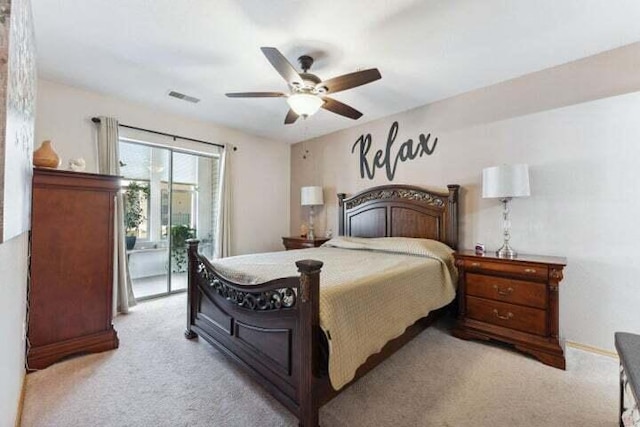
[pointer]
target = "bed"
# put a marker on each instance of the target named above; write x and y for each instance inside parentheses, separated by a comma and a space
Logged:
(273, 329)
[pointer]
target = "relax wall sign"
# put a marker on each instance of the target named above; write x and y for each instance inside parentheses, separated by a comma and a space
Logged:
(387, 159)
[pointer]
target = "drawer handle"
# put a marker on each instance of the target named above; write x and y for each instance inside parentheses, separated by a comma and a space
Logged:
(509, 315)
(530, 270)
(503, 292)
(475, 264)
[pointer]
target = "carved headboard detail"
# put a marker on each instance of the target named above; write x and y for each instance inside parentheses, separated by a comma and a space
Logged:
(401, 211)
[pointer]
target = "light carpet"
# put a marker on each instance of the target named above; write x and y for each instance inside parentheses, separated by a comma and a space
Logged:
(158, 378)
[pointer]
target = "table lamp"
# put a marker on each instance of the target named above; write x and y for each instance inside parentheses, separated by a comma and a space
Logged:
(506, 182)
(311, 196)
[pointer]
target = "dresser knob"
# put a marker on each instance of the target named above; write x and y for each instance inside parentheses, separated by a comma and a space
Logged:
(509, 315)
(475, 264)
(503, 292)
(530, 270)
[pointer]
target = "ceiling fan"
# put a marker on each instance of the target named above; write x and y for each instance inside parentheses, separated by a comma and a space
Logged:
(307, 92)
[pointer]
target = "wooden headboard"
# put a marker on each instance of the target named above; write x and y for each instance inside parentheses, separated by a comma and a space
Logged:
(401, 211)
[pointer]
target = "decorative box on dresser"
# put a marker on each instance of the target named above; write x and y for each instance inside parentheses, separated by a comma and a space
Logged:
(511, 300)
(302, 242)
(72, 246)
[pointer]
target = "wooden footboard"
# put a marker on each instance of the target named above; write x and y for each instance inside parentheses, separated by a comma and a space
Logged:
(270, 329)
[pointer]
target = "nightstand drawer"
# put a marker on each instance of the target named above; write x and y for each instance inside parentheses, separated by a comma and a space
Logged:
(302, 242)
(301, 245)
(534, 271)
(514, 291)
(510, 316)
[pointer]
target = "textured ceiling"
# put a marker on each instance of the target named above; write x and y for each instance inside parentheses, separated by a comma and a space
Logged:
(426, 50)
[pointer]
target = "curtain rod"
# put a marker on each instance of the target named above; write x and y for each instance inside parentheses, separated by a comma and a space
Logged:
(97, 120)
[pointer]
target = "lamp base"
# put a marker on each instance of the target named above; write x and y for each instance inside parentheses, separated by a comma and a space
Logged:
(311, 235)
(506, 251)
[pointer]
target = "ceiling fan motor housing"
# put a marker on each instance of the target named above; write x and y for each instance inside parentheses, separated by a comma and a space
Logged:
(310, 84)
(310, 81)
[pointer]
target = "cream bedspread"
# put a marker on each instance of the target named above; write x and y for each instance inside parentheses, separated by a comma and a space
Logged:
(371, 290)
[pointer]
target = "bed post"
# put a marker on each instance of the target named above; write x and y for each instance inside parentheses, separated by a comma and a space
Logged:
(192, 252)
(309, 303)
(452, 216)
(341, 197)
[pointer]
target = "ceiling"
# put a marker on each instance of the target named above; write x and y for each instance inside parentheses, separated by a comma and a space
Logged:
(426, 50)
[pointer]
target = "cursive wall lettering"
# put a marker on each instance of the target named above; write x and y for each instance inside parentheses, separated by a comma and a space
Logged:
(383, 158)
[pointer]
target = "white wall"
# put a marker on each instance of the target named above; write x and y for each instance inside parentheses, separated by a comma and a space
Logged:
(13, 294)
(583, 159)
(260, 167)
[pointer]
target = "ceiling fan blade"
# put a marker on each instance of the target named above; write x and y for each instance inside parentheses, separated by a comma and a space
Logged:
(291, 117)
(255, 95)
(282, 66)
(347, 81)
(340, 108)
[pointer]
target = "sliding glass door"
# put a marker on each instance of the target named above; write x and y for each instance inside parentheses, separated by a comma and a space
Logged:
(191, 203)
(170, 196)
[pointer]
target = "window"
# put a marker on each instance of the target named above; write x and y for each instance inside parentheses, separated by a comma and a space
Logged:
(136, 207)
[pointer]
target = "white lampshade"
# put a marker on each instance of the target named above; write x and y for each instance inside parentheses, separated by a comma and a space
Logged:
(506, 181)
(305, 104)
(311, 196)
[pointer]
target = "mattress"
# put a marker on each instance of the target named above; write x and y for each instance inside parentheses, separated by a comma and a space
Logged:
(371, 290)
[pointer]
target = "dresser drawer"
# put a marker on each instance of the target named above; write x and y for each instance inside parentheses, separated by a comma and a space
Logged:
(533, 271)
(532, 294)
(301, 245)
(526, 319)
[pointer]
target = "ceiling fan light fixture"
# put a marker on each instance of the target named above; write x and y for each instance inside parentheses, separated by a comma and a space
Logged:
(305, 104)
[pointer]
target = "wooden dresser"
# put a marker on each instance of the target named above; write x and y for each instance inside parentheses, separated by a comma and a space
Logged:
(302, 242)
(511, 300)
(71, 286)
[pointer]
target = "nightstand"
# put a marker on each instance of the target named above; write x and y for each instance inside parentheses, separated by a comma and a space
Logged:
(511, 300)
(302, 242)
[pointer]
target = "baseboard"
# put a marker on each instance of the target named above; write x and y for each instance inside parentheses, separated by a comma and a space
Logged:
(591, 349)
(21, 400)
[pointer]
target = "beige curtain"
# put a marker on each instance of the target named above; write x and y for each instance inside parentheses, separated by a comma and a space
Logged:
(223, 232)
(108, 163)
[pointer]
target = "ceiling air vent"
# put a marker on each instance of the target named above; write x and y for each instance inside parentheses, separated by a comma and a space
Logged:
(184, 97)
